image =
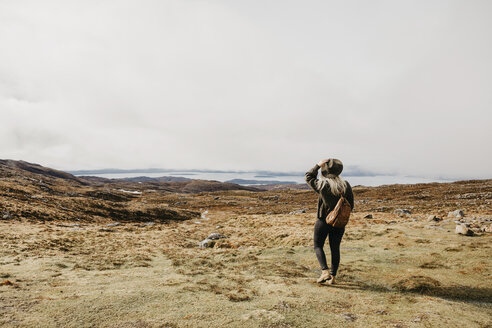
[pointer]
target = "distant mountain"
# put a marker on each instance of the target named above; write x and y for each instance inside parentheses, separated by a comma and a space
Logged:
(158, 179)
(258, 182)
(116, 171)
(22, 171)
(351, 170)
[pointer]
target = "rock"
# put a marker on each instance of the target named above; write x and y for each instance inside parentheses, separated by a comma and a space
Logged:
(210, 240)
(216, 235)
(75, 225)
(462, 230)
(456, 214)
(487, 228)
(216, 198)
(6, 216)
(107, 230)
(368, 216)
(218, 227)
(349, 316)
(207, 243)
(401, 211)
(113, 224)
(149, 223)
(302, 210)
(431, 218)
(203, 215)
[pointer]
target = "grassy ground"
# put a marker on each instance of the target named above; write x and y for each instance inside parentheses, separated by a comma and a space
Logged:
(395, 272)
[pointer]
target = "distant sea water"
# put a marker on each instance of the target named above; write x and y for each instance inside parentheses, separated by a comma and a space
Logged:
(375, 180)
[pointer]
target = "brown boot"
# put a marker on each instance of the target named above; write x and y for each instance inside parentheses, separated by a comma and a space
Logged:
(325, 275)
(331, 281)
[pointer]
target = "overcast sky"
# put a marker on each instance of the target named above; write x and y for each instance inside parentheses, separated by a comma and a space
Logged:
(390, 86)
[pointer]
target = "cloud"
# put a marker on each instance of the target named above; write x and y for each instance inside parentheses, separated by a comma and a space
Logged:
(385, 86)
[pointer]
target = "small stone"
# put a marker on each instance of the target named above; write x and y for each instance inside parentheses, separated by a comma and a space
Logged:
(402, 211)
(6, 216)
(216, 198)
(456, 214)
(462, 230)
(107, 230)
(349, 316)
(302, 210)
(206, 243)
(431, 218)
(368, 216)
(216, 235)
(149, 224)
(113, 224)
(487, 228)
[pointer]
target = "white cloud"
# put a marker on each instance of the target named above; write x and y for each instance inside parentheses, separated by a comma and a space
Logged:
(389, 86)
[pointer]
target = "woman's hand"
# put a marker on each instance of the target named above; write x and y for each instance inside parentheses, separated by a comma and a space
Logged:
(323, 161)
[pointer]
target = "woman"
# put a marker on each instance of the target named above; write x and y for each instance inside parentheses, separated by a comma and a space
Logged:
(329, 187)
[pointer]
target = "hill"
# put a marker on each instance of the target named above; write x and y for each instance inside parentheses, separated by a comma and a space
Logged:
(31, 191)
(91, 252)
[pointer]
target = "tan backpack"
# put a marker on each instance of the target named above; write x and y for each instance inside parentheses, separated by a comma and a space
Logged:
(340, 215)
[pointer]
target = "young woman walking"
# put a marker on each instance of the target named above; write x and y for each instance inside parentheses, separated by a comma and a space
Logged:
(329, 186)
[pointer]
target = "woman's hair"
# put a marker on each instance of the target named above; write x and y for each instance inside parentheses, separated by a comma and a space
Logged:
(337, 185)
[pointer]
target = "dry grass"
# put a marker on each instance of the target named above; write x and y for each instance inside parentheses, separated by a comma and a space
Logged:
(262, 275)
(395, 271)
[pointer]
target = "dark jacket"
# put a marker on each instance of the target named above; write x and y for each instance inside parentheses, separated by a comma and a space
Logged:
(326, 200)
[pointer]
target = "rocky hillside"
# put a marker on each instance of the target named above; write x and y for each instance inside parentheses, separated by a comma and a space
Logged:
(34, 192)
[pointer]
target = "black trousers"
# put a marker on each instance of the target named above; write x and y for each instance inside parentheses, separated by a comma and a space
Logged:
(321, 231)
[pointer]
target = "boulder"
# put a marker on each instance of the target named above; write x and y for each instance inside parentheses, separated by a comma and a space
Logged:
(456, 214)
(462, 230)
